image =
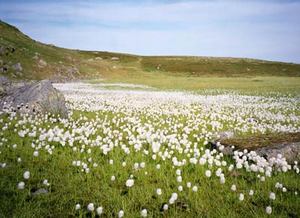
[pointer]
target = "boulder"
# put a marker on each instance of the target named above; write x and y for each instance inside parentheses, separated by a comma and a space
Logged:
(291, 151)
(39, 97)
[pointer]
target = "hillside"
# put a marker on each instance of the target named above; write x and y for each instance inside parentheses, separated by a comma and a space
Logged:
(23, 57)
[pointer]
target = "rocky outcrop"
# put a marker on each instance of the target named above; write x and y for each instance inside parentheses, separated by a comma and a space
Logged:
(39, 97)
(291, 151)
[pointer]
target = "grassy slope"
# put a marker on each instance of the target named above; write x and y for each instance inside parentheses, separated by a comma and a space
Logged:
(189, 73)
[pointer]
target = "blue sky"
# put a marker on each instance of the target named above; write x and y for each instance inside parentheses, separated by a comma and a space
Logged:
(264, 29)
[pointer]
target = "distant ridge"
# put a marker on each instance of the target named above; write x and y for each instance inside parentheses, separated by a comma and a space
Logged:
(23, 57)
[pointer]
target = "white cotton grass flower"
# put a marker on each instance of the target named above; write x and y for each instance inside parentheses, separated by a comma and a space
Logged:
(144, 213)
(189, 184)
(268, 209)
(251, 192)
(158, 191)
(112, 178)
(233, 188)
(99, 210)
(142, 165)
(278, 185)
(173, 198)
(180, 188)
(222, 179)
(241, 197)
(202, 161)
(121, 214)
(129, 183)
(272, 196)
(195, 188)
(46, 183)
(26, 175)
(284, 189)
(179, 179)
(208, 173)
(35, 153)
(91, 207)
(165, 207)
(77, 207)
(21, 185)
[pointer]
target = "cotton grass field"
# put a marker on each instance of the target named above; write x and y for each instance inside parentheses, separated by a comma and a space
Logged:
(137, 152)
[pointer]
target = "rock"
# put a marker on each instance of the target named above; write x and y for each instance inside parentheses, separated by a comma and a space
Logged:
(19, 74)
(98, 58)
(228, 150)
(39, 192)
(225, 135)
(4, 85)
(222, 136)
(17, 67)
(39, 97)
(4, 81)
(115, 58)
(42, 63)
(291, 151)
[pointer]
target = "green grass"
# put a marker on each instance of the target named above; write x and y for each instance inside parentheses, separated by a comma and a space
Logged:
(245, 85)
(221, 67)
